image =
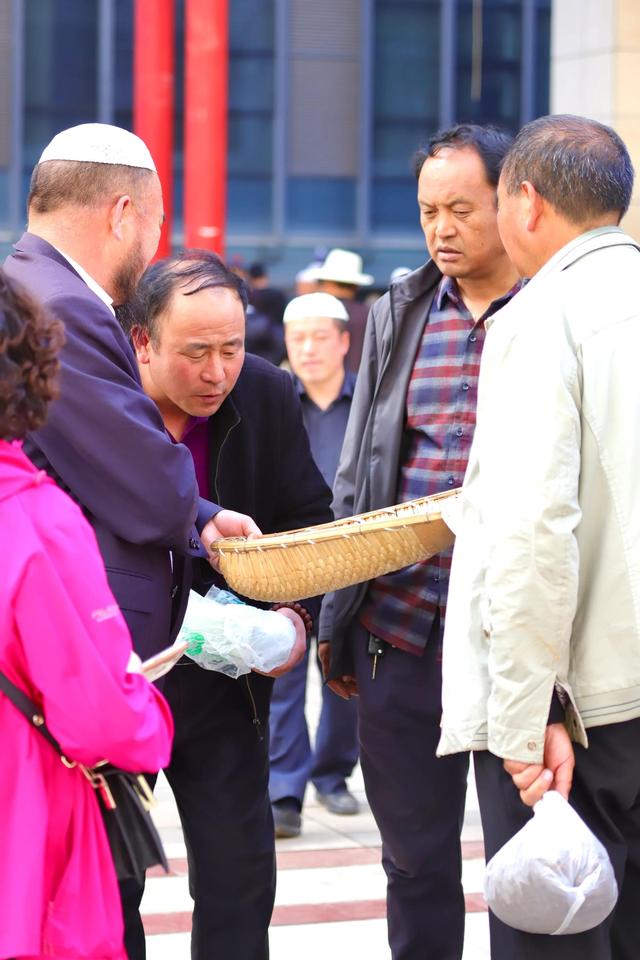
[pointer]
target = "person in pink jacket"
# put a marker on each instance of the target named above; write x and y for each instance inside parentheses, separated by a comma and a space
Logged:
(64, 642)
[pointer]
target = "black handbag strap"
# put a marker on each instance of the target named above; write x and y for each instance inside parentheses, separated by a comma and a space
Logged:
(29, 709)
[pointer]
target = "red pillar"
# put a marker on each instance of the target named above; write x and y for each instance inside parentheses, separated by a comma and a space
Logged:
(153, 86)
(205, 123)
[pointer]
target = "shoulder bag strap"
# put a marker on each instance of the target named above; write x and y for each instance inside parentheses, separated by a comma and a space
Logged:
(28, 708)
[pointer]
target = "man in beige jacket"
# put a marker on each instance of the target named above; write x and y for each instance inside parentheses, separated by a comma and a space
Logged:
(542, 639)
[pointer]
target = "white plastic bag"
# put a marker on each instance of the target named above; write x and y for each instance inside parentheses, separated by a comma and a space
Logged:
(554, 876)
(231, 637)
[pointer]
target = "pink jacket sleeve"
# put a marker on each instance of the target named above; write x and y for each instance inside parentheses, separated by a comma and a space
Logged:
(77, 647)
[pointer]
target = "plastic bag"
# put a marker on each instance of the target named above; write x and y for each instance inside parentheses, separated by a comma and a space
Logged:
(554, 876)
(231, 637)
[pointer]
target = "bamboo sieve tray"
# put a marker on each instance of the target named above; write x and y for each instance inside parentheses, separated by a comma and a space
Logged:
(314, 560)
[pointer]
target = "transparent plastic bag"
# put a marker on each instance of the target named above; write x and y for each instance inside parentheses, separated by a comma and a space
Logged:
(231, 637)
(554, 876)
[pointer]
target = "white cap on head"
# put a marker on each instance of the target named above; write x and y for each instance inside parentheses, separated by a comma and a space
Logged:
(99, 143)
(315, 305)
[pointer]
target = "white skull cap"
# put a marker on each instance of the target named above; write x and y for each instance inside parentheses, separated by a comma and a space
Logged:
(99, 143)
(315, 305)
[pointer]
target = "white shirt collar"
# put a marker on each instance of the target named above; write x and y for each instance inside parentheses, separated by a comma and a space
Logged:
(90, 282)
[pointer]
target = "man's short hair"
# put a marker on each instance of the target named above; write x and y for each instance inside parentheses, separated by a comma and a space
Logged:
(579, 166)
(490, 143)
(61, 183)
(190, 271)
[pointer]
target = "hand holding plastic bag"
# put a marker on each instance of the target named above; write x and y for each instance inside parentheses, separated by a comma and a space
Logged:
(554, 876)
(231, 637)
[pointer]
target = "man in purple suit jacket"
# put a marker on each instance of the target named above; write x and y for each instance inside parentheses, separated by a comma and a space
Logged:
(95, 215)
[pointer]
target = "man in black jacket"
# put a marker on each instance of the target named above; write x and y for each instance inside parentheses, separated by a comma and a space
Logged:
(240, 416)
(409, 433)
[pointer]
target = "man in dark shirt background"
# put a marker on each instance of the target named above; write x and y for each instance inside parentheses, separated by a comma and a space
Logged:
(240, 417)
(317, 340)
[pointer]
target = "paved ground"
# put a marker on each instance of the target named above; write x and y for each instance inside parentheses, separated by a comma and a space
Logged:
(330, 899)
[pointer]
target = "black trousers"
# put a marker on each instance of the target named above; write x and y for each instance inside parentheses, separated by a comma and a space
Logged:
(417, 799)
(219, 774)
(606, 794)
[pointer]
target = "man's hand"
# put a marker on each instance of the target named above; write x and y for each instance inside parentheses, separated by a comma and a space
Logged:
(227, 523)
(534, 779)
(298, 649)
(346, 686)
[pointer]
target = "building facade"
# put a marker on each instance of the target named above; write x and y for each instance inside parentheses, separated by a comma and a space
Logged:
(595, 69)
(327, 103)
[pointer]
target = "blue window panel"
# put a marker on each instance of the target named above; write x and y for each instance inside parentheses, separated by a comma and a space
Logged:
(123, 72)
(60, 70)
(251, 82)
(394, 143)
(406, 59)
(250, 143)
(251, 25)
(542, 58)
(250, 127)
(406, 93)
(501, 63)
(321, 204)
(249, 204)
(393, 206)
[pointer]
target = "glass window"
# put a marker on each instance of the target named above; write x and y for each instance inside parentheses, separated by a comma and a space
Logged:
(250, 129)
(321, 204)
(488, 63)
(123, 44)
(60, 70)
(406, 91)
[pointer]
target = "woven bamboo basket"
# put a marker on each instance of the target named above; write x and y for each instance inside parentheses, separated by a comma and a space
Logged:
(313, 560)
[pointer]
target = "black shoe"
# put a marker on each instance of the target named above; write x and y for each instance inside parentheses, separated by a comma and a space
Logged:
(287, 818)
(341, 802)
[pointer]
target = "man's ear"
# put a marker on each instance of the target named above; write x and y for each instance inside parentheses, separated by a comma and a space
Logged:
(141, 343)
(345, 342)
(119, 215)
(533, 205)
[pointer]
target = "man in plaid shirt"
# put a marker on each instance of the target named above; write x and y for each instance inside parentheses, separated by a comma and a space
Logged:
(409, 434)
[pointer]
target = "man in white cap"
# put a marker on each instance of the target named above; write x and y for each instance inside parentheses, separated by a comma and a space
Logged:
(95, 215)
(317, 340)
(341, 275)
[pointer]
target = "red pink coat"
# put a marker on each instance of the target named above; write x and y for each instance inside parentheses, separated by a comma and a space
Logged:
(64, 642)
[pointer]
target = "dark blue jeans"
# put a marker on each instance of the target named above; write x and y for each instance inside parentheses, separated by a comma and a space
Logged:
(293, 763)
(417, 799)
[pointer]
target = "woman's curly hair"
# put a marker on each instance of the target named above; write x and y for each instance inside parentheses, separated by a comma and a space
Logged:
(29, 343)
